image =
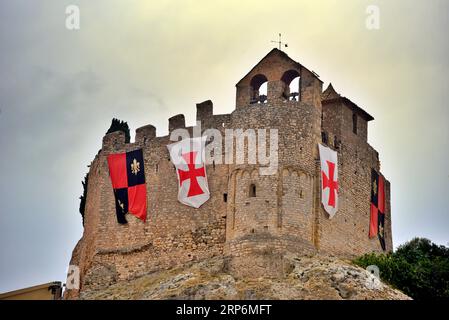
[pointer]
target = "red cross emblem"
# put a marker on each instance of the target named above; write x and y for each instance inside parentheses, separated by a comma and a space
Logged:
(192, 174)
(330, 183)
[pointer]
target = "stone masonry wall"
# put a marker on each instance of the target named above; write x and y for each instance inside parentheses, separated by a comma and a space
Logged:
(347, 233)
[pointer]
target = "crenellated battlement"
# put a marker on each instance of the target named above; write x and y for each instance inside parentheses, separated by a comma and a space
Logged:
(145, 134)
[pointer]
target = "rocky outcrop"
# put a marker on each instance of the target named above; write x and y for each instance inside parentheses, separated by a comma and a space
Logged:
(305, 277)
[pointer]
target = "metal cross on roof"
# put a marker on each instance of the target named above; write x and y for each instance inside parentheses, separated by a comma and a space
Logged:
(280, 43)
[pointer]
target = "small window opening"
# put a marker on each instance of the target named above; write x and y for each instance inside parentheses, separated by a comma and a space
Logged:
(324, 137)
(354, 123)
(336, 144)
(225, 197)
(252, 190)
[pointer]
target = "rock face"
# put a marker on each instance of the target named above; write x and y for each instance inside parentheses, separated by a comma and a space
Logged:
(306, 277)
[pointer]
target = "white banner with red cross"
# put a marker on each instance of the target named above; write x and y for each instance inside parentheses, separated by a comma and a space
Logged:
(188, 157)
(329, 180)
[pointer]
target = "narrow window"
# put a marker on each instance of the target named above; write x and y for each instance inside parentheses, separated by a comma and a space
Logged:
(336, 144)
(324, 137)
(225, 197)
(252, 190)
(354, 123)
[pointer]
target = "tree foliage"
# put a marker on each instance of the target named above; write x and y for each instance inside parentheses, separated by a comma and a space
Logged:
(419, 268)
(84, 196)
(118, 125)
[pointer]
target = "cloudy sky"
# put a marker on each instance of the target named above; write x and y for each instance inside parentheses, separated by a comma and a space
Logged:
(144, 61)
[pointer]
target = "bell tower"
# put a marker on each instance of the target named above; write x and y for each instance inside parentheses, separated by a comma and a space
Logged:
(284, 80)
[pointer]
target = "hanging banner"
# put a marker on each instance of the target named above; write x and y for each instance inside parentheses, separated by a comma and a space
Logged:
(188, 157)
(329, 179)
(128, 181)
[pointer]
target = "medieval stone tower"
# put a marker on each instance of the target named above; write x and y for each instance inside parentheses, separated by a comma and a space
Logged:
(253, 219)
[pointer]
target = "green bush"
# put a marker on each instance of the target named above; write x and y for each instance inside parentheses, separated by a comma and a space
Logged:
(419, 268)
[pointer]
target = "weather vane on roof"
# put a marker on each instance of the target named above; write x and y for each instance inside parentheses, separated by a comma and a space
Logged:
(280, 43)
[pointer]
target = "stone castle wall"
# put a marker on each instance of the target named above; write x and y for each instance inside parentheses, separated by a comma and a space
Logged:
(347, 232)
(285, 215)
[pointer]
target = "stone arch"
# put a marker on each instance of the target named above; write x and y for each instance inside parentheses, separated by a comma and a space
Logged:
(292, 85)
(294, 173)
(238, 173)
(303, 175)
(295, 170)
(258, 82)
(254, 173)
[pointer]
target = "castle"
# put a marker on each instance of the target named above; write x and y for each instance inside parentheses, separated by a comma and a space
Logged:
(253, 219)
